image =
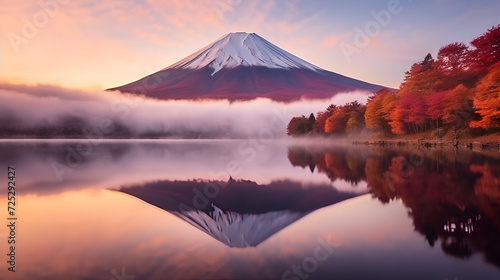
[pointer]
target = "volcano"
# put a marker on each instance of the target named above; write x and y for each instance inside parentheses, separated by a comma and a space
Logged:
(244, 66)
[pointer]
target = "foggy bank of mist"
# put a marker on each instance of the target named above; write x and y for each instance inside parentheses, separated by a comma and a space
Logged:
(44, 111)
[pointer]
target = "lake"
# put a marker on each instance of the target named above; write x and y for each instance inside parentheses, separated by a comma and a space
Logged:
(247, 209)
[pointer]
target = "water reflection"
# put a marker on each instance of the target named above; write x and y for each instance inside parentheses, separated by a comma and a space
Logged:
(398, 214)
(451, 196)
(238, 213)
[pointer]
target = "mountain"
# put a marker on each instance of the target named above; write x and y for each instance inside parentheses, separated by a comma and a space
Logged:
(242, 213)
(243, 66)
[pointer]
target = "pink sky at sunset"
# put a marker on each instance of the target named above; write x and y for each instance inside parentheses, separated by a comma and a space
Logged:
(101, 44)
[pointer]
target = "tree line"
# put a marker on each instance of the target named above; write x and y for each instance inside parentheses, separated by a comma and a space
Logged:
(459, 88)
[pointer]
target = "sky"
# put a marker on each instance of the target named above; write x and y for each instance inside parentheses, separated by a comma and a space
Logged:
(94, 45)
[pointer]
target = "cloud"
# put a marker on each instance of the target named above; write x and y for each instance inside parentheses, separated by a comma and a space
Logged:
(32, 107)
(130, 35)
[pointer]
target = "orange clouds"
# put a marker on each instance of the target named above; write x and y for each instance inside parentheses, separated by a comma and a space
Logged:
(95, 44)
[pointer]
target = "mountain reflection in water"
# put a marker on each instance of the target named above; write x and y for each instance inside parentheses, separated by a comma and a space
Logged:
(238, 213)
(170, 209)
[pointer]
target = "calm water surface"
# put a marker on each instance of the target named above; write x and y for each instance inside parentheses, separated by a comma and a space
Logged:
(239, 209)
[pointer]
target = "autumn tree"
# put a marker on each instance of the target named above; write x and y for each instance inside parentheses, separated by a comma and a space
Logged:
(422, 77)
(311, 120)
(338, 121)
(486, 51)
(303, 126)
(319, 125)
(452, 57)
(376, 117)
(458, 88)
(487, 100)
(290, 129)
(409, 114)
(452, 66)
(435, 104)
(458, 107)
(388, 106)
(414, 106)
(356, 120)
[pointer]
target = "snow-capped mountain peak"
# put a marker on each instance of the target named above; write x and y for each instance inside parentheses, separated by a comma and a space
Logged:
(244, 66)
(242, 49)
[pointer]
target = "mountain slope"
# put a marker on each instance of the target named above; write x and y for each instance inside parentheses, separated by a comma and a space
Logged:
(242, 66)
(242, 49)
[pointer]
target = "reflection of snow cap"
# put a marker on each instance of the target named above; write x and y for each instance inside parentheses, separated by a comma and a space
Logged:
(243, 213)
(240, 230)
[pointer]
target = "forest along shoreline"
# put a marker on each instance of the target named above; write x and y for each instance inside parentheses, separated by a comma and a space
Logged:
(450, 101)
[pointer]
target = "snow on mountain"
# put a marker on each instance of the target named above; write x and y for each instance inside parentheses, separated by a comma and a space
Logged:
(242, 49)
(244, 66)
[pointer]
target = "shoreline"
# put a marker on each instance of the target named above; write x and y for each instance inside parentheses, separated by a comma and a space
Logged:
(463, 140)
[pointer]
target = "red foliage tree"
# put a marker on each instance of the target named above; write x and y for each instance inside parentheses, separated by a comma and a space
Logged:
(292, 125)
(414, 105)
(436, 104)
(409, 114)
(485, 52)
(460, 87)
(452, 65)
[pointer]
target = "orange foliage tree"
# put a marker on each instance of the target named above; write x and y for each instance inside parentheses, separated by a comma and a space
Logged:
(346, 118)
(376, 117)
(337, 121)
(458, 108)
(487, 100)
(458, 88)
(319, 125)
(423, 77)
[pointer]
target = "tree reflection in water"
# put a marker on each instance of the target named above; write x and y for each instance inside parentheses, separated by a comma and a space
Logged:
(452, 196)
